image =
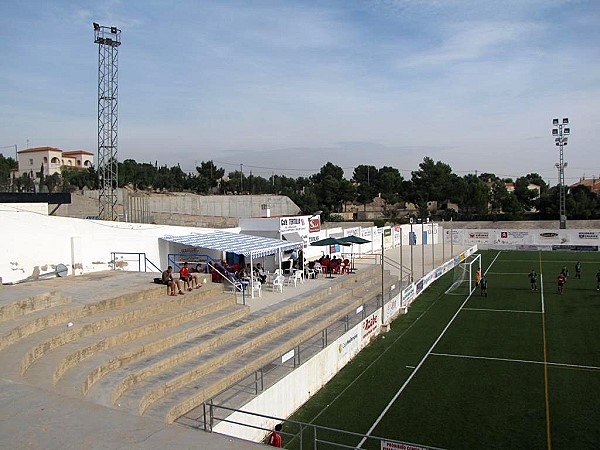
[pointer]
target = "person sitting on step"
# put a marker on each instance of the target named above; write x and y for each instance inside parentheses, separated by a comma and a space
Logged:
(173, 285)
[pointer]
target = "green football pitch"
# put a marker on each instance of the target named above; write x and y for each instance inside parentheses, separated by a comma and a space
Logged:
(516, 369)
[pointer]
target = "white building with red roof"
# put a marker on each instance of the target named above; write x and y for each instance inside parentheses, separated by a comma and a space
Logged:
(52, 159)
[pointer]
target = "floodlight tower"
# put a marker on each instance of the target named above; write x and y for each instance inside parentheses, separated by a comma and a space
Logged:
(108, 40)
(560, 131)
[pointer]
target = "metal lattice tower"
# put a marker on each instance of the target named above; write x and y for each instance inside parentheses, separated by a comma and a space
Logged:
(560, 131)
(108, 40)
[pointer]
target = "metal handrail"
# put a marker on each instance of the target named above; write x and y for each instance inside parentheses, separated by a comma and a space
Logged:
(141, 258)
(303, 429)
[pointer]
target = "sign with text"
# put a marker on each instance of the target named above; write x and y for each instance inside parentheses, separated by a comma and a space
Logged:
(288, 224)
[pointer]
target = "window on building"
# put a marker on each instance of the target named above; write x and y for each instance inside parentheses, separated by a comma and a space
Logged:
(55, 160)
(31, 162)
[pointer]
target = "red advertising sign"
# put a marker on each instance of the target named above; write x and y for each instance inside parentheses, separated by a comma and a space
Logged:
(314, 225)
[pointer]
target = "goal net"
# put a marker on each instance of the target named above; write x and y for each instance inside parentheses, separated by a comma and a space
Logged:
(465, 274)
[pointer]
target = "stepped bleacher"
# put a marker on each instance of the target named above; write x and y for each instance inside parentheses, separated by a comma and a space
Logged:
(116, 339)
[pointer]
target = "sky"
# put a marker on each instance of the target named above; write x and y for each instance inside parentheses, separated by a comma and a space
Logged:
(283, 87)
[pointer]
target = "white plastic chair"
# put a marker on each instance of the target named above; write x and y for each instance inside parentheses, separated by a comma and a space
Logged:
(295, 278)
(278, 283)
(257, 288)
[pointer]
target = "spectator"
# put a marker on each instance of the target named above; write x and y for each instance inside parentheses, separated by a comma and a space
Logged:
(294, 259)
(167, 279)
(185, 277)
(260, 273)
(275, 437)
(196, 274)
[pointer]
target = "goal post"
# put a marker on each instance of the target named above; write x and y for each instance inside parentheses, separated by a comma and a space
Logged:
(464, 276)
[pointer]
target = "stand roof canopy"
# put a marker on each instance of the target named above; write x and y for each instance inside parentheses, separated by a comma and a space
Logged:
(241, 244)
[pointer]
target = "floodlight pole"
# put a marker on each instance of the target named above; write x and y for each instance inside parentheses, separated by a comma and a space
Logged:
(560, 131)
(108, 40)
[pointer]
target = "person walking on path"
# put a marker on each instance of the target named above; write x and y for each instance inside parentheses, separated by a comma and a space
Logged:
(533, 279)
(275, 437)
(483, 284)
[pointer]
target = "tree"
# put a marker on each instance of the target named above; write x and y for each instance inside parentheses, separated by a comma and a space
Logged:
(52, 182)
(582, 203)
(390, 184)
(331, 189)
(6, 166)
(434, 181)
(475, 196)
(523, 194)
(366, 179)
(208, 174)
(498, 198)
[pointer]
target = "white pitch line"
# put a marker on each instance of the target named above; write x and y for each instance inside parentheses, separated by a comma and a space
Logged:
(525, 361)
(502, 310)
(508, 273)
(395, 397)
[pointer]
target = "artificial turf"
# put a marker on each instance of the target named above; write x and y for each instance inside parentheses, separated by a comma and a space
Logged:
(484, 383)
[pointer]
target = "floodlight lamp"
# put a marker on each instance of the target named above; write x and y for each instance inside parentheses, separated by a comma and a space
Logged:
(554, 131)
(564, 165)
(113, 30)
(96, 26)
(554, 121)
(565, 120)
(566, 130)
(557, 165)
(564, 142)
(558, 144)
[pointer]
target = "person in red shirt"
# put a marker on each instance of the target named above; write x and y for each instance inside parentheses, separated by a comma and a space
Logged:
(562, 279)
(184, 275)
(275, 437)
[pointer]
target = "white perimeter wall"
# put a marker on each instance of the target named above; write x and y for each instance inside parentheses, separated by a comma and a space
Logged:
(34, 243)
(287, 395)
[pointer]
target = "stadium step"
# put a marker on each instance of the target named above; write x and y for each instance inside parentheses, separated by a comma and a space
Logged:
(157, 378)
(173, 312)
(132, 345)
(220, 377)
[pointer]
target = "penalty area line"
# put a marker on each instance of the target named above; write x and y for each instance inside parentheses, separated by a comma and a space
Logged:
(502, 310)
(524, 361)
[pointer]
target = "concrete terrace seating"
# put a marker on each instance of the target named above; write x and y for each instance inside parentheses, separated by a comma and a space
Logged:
(134, 348)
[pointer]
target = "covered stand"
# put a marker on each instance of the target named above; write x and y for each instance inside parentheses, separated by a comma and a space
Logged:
(242, 244)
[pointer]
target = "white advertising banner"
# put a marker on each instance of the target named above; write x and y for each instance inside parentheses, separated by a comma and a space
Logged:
(538, 239)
